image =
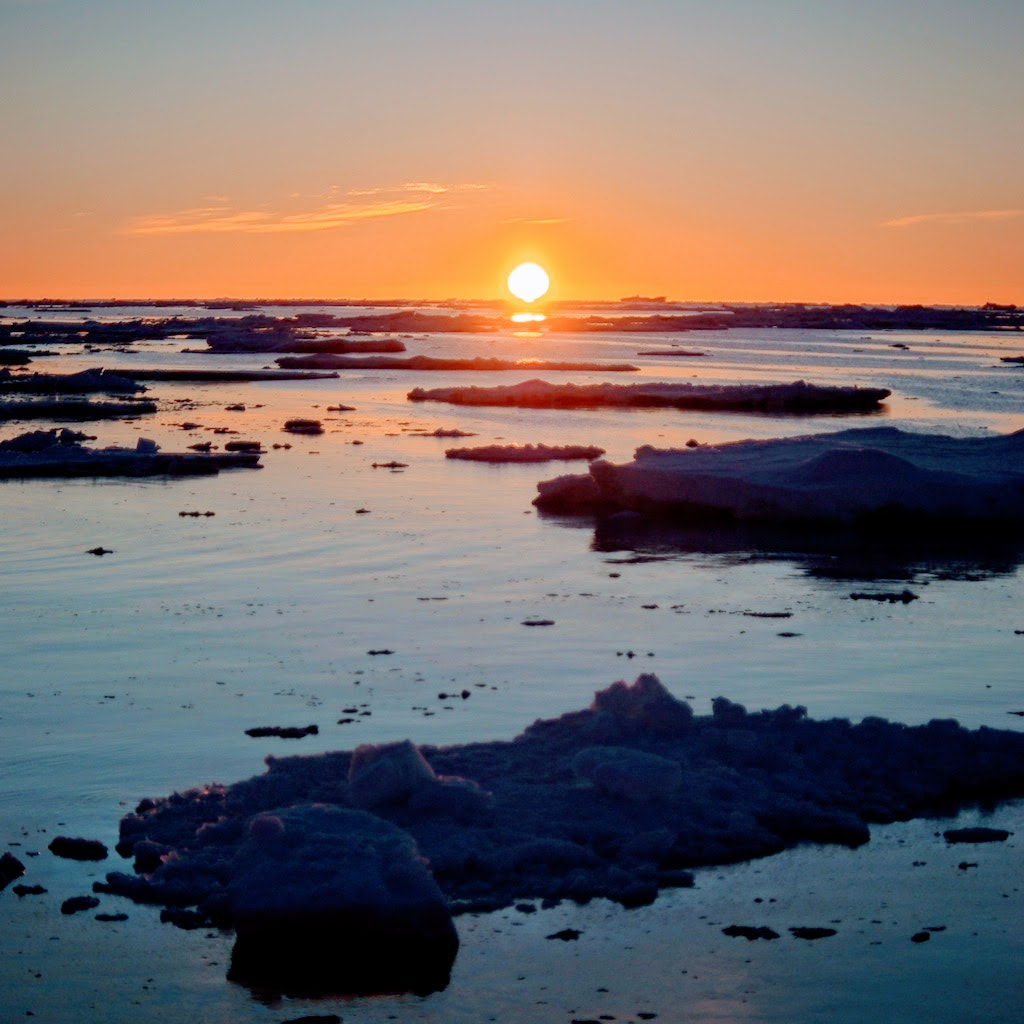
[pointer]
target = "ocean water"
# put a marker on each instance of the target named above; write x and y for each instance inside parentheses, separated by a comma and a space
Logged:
(136, 673)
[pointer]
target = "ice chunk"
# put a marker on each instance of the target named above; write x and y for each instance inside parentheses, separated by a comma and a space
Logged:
(627, 773)
(387, 773)
(326, 899)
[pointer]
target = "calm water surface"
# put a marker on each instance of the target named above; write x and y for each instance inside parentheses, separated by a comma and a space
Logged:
(137, 673)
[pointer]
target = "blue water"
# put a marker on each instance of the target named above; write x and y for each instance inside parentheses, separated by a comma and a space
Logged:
(137, 673)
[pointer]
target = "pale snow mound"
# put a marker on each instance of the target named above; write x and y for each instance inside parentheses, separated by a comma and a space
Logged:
(798, 397)
(525, 453)
(847, 477)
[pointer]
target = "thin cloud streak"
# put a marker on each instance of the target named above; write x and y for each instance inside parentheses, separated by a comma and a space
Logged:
(962, 217)
(411, 197)
(222, 220)
(541, 221)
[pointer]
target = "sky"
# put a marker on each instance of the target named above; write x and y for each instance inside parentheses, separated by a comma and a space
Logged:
(706, 150)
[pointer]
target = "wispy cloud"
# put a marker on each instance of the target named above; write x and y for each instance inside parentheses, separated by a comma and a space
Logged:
(224, 220)
(961, 217)
(428, 188)
(536, 220)
(355, 205)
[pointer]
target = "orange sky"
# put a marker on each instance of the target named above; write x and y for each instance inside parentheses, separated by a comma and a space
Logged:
(704, 151)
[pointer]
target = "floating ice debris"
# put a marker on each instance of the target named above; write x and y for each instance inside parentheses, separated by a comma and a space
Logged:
(24, 890)
(10, 869)
(853, 476)
(902, 597)
(688, 353)
(434, 363)
(47, 453)
(83, 382)
(303, 426)
(78, 849)
(207, 376)
(525, 453)
(76, 904)
(442, 432)
(798, 397)
(750, 932)
(287, 732)
(976, 835)
(812, 933)
(73, 409)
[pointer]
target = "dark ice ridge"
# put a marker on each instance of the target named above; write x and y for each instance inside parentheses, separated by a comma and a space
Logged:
(330, 361)
(83, 382)
(60, 453)
(525, 453)
(617, 800)
(73, 409)
(851, 477)
(796, 397)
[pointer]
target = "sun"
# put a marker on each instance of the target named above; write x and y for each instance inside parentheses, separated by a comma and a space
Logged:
(528, 282)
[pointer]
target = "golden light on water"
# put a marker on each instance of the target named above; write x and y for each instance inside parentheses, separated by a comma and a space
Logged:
(528, 282)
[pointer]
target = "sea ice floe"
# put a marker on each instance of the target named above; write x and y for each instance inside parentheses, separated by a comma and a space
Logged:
(844, 477)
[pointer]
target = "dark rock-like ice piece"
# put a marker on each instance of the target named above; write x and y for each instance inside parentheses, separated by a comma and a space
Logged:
(10, 869)
(978, 834)
(750, 932)
(812, 933)
(81, 383)
(203, 374)
(78, 409)
(287, 732)
(26, 890)
(525, 453)
(326, 899)
(76, 904)
(47, 453)
(75, 848)
(303, 426)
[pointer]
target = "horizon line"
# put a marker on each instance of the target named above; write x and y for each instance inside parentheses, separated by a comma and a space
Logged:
(652, 301)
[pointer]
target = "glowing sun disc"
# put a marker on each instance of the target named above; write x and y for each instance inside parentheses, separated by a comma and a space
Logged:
(529, 281)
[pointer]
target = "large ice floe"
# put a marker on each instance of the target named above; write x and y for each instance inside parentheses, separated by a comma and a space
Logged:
(340, 871)
(852, 476)
(797, 397)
